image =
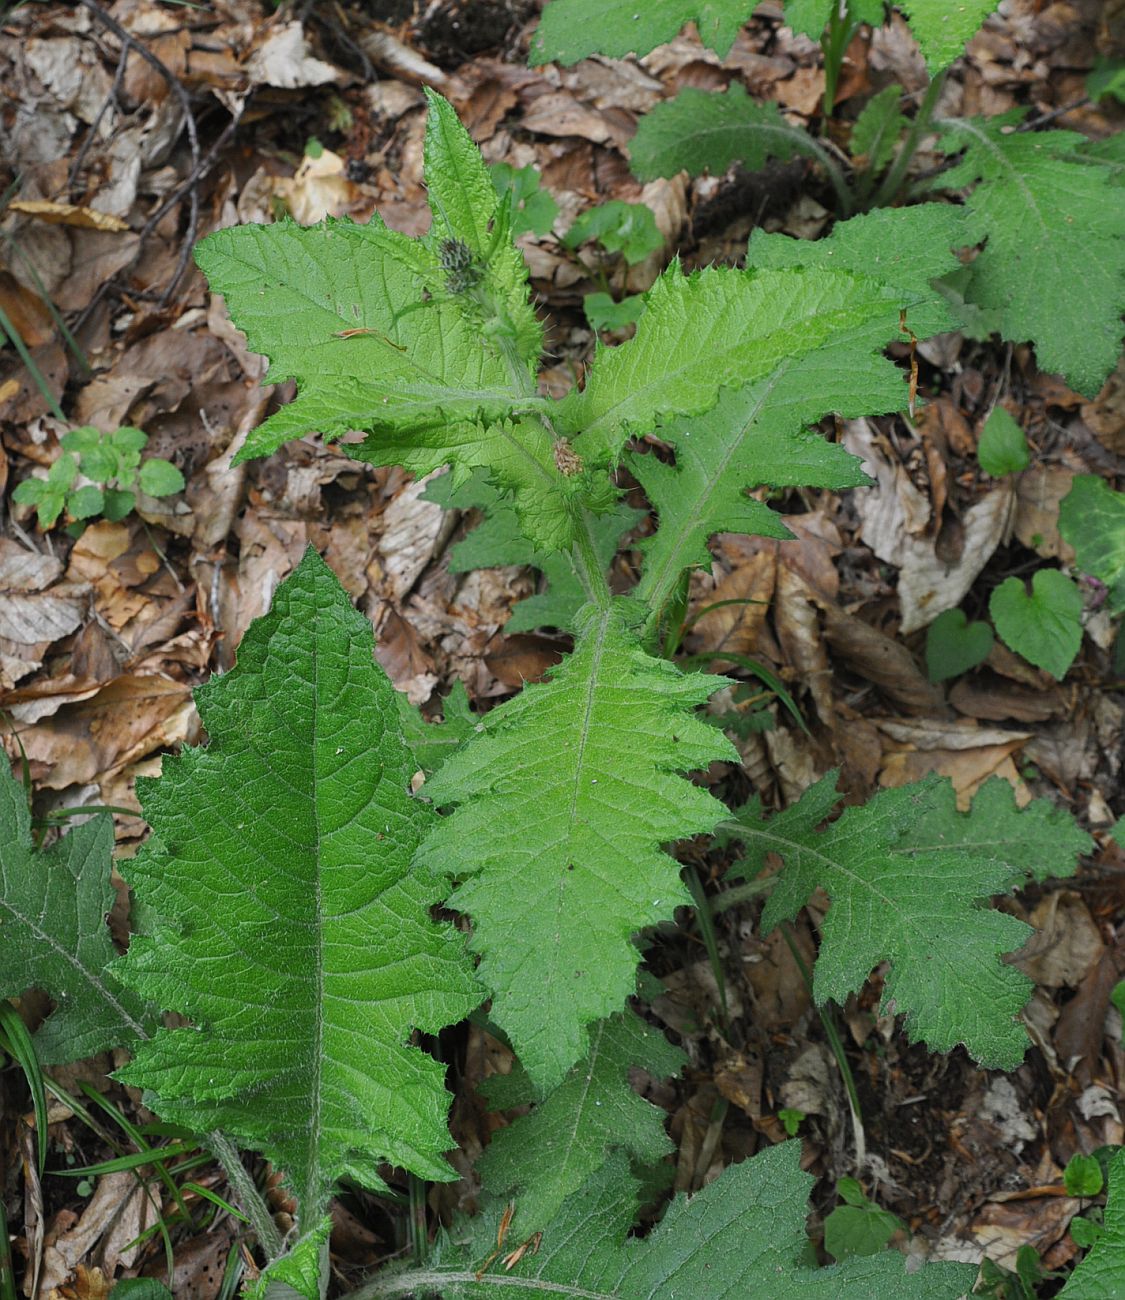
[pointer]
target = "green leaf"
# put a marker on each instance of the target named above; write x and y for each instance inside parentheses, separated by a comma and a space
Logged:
(543, 1158)
(85, 502)
(300, 1272)
(1003, 445)
(117, 504)
(603, 313)
(129, 440)
(1092, 519)
(1052, 268)
(758, 435)
(1107, 78)
(810, 17)
(500, 541)
(284, 918)
(85, 438)
(1038, 841)
(878, 128)
(713, 329)
(1045, 627)
(431, 743)
(1099, 1275)
(921, 906)
(626, 228)
(53, 908)
(954, 645)
(63, 471)
(858, 1230)
(701, 130)
(101, 462)
(160, 478)
(534, 208)
(743, 1235)
(1083, 1176)
(574, 29)
(430, 346)
(559, 839)
(942, 30)
(47, 498)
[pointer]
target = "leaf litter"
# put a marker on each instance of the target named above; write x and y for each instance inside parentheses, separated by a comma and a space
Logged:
(138, 127)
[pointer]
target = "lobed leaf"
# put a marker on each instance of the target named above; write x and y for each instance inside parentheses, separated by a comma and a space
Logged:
(757, 435)
(574, 29)
(558, 837)
(908, 878)
(286, 919)
(700, 130)
(53, 908)
(543, 1158)
(713, 329)
(1052, 268)
(742, 1235)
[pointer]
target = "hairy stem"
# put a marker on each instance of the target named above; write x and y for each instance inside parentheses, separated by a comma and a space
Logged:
(247, 1194)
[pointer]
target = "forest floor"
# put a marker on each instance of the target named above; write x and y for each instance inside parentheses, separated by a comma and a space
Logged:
(116, 163)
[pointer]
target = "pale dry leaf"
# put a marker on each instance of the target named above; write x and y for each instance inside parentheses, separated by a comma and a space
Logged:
(283, 60)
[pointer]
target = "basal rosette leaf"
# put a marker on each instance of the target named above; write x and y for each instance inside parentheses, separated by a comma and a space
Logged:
(1052, 265)
(943, 29)
(574, 29)
(53, 908)
(563, 802)
(286, 920)
(544, 1157)
(918, 903)
(742, 1235)
(702, 130)
(711, 330)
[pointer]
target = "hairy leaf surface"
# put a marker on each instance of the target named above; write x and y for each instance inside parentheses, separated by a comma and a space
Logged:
(700, 130)
(287, 922)
(742, 1236)
(700, 333)
(1092, 519)
(430, 346)
(563, 803)
(53, 932)
(431, 743)
(574, 29)
(909, 885)
(1052, 268)
(757, 435)
(543, 1158)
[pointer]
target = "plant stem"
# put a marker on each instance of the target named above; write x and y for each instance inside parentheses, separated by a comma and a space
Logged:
(741, 894)
(256, 1210)
(834, 43)
(836, 1044)
(892, 182)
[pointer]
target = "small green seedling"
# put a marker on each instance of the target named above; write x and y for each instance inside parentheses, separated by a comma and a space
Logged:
(112, 464)
(625, 229)
(532, 208)
(1003, 445)
(1083, 1177)
(858, 1227)
(791, 1120)
(1044, 627)
(954, 645)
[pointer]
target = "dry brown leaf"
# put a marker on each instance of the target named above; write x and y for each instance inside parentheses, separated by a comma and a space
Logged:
(67, 214)
(1066, 943)
(1036, 523)
(283, 60)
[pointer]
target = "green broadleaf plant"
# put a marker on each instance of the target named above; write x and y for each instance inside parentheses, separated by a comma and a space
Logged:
(1044, 626)
(1092, 520)
(288, 886)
